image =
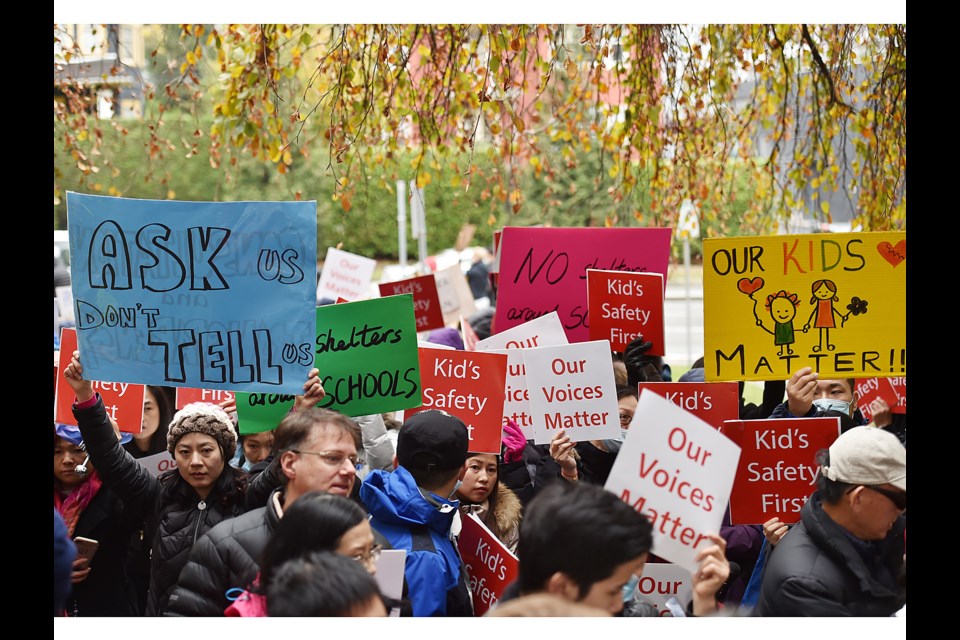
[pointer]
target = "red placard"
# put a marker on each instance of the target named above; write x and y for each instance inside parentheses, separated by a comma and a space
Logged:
(469, 385)
(624, 305)
(426, 301)
(900, 386)
(122, 400)
(777, 469)
(491, 568)
(712, 402)
(186, 395)
(869, 389)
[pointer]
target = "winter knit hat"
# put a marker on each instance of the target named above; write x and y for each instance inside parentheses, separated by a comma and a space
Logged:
(203, 417)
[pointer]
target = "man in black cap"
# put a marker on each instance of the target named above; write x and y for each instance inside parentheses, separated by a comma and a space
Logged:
(414, 506)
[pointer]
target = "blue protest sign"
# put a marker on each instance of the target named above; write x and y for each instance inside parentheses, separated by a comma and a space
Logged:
(211, 295)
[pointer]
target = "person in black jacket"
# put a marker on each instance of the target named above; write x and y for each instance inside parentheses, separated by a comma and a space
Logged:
(844, 557)
(91, 510)
(183, 503)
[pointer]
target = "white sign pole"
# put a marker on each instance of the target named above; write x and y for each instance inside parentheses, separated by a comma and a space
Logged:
(402, 222)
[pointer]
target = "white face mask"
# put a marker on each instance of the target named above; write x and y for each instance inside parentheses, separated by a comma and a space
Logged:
(832, 404)
(613, 446)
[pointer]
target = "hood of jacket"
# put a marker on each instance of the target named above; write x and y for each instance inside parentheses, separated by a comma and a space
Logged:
(394, 498)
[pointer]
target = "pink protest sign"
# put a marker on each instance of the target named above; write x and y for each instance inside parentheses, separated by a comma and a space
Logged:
(870, 389)
(625, 305)
(544, 270)
(186, 395)
(490, 566)
(123, 401)
(426, 300)
(712, 402)
(777, 470)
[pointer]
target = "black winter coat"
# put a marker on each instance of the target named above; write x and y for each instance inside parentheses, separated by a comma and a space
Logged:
(816, 571)
(227, 557)
(106, 590)
(174, 513)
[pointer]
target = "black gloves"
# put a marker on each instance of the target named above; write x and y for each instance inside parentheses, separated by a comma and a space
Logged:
(641, 367)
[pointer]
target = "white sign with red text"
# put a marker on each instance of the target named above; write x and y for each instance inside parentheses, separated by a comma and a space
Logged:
(345, 275)
(158, 463)
(678, 471)
(572, 389)
(660, 582)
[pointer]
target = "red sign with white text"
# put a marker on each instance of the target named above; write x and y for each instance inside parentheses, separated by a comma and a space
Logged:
(426, 300)
(870, 389)
(186, 395)
(777, 469)
(469, 385)
(624, 305)
(490, 566)
(122, 400)
(712, 402)
(900, 386)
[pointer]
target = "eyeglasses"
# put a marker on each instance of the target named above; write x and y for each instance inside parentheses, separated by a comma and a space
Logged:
(332, 458)
(898, 498)
(370, 557)
(625, 418)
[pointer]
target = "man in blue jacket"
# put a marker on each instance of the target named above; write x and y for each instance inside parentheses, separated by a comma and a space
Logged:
(413, 507)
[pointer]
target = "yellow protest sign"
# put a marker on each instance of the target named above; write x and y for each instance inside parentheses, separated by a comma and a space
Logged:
(834, 302)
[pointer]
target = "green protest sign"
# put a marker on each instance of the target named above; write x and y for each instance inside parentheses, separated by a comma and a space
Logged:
(366, 352)
(258, 412)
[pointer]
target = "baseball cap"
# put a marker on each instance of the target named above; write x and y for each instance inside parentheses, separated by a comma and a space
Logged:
(71, 433)
(432, 440)
(868, 456)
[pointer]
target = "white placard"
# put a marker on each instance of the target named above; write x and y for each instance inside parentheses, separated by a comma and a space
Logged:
(664, 580)
(455, 297)
(678, 471)
(572, 389)
(158, 463)
(64, 296)
(390, 566)
(345, 275)
(545, 331)
(423, 344)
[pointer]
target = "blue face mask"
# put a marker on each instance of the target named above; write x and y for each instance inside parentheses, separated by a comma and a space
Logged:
(613, 446)
(832, 404)
(630, 587)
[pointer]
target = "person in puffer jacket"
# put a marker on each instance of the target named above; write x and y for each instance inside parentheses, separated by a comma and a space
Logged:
(180, 505)
(482, 495)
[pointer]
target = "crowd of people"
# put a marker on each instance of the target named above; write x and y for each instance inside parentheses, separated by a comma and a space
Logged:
(291, 522)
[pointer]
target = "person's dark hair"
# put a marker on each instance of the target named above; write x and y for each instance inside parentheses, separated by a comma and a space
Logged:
(698, 363)
(581, 530)
(316, 521)
(322, 584)
(165, 398)
(431, 480)
(480, 322)
(831, 491)
(623, 391)
(296, 427)
(492, 496)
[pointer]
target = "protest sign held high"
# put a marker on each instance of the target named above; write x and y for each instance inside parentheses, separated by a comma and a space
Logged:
(624, 305)
(572, 389)
(869, 389)
(544, 269)
(426, 300)
(491, 568)
(345, 276)
(835, 303)
(186, 395)
(257, 412)
(777, 471)
(712, 402)
(214, 295)
(678, 471)
(366, 352)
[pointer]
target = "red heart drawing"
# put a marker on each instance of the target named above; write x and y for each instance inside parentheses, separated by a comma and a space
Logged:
(894, 254)
(748, 286)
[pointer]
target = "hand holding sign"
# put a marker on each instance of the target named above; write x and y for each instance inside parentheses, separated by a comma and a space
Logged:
(312, 392)
(83, 389)
(712, 573)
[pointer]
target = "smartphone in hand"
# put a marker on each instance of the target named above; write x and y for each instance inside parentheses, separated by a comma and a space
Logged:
(86, 547)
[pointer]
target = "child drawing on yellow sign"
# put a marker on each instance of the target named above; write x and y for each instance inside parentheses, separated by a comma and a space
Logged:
(823, 315)
(781, 306)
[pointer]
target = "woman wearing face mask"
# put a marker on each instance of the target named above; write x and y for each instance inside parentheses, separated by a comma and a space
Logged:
(482, 494)
(158, 409)
(89, 509)
(317, 521)
(183, 503)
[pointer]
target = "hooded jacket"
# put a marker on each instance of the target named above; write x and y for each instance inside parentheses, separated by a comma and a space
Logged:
(816, 571)
(174, 513)
(401, 513)
(501, 515)
(226, 558)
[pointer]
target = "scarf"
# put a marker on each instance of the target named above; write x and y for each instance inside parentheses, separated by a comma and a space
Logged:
(71, 506)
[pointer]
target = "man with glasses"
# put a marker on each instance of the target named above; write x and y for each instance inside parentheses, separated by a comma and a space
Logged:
(314, 450)
(414, 506)
(845, 555)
